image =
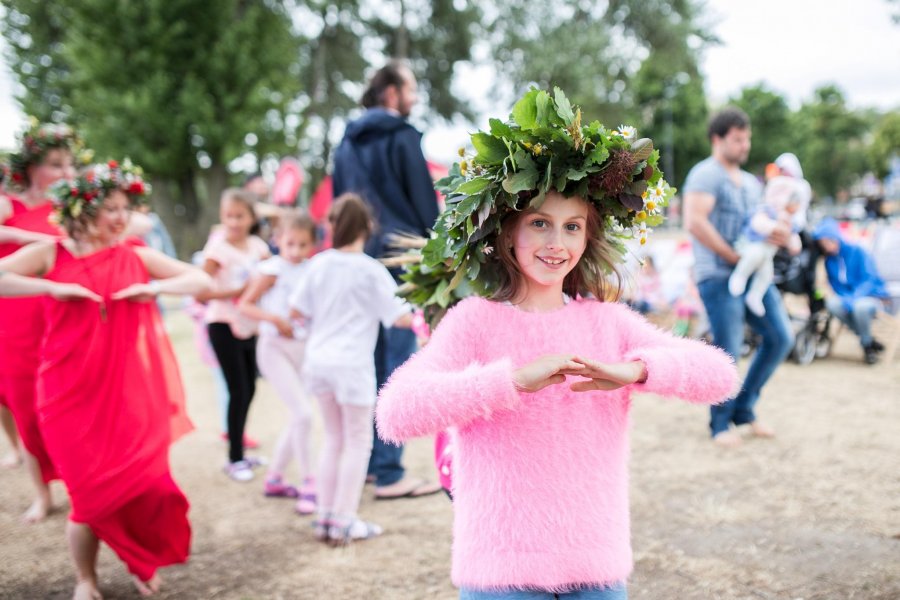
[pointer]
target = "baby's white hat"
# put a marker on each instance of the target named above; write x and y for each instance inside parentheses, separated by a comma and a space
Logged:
(790, 164)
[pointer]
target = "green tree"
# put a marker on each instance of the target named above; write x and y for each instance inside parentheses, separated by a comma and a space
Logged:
(181, 87)
(829, 141)
(341, 41)
(623, 60)
(885, 143)
(34, 31)
(770, 119)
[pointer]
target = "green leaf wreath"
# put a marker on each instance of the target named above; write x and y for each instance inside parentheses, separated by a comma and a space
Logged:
(544, 146)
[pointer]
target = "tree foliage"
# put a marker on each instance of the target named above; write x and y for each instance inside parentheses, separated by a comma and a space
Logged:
(829, 141)
(885, 143)
(181, 87)
(770, 118)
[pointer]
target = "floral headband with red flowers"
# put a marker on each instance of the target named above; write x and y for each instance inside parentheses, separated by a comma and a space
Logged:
(83, 195)
(34, 144)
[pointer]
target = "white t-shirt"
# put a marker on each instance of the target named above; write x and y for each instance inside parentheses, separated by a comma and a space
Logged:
(344, 296)
(276, 299)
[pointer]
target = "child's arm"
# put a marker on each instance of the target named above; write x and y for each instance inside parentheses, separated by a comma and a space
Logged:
(214, 292)
(442, 385)
(248, 304)
(685, 368)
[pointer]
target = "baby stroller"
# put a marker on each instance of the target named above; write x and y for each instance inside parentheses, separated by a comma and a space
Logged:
(797, 275)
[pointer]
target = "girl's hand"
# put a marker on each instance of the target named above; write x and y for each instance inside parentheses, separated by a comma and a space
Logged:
(547, 370)
(73, 291)
(137, 292)
(285, 329)
(608, 376)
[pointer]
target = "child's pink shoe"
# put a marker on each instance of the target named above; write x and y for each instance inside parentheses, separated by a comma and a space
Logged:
(275, 488)
(306, 504)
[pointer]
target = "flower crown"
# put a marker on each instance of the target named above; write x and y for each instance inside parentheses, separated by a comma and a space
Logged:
(544, 146)
(36, 141)
(84, 194)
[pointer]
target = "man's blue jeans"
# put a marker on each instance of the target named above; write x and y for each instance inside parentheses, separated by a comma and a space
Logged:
(727, 316)
(859, 317)
(395, 345)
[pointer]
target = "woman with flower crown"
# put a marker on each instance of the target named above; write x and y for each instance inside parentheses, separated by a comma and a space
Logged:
(45, 155)
(533, 370)
(110, 400)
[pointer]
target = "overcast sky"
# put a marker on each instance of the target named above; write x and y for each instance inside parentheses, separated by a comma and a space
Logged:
(792, 45)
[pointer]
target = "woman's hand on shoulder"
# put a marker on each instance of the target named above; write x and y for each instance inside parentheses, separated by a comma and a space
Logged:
(547, 370)
(608, 376)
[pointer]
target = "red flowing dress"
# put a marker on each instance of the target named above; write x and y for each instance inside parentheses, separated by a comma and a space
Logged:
(111, 402)
(21, 328)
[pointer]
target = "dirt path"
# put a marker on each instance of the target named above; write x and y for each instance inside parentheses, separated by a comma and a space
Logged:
(814, 514)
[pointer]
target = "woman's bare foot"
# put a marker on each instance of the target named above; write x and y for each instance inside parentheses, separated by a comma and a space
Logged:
(727, 439)
(149, 587)
(38, 510)
(86, 589)
(11, 460)
(761, 430)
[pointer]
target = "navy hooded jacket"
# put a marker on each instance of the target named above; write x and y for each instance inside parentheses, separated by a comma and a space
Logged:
(380, 158)
(851, 272)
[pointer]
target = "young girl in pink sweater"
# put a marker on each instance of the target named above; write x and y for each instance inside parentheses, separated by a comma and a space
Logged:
(536, 379)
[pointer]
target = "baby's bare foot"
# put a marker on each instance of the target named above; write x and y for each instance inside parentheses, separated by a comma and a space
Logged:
(38, 510)
(86, 589)
(149, 587)
(727, 439)
(761, 430)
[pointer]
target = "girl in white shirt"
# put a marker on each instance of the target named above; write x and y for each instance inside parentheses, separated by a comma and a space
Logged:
(345, 294)
(280, 353)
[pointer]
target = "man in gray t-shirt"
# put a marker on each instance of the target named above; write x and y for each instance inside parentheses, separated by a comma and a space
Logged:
(719, 197)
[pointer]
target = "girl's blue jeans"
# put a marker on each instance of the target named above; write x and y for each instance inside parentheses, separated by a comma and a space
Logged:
(612, 592)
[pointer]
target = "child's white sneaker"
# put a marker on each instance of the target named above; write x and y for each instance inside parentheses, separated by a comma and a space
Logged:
(240, 471)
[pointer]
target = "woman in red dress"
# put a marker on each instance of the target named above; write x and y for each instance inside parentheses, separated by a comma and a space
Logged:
(110, 400)
(44, 156)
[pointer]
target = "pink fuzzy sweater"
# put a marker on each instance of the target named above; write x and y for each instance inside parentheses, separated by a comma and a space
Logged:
(540, 482)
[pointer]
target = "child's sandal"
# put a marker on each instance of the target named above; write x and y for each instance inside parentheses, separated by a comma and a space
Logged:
(321, 528)
(357, 530)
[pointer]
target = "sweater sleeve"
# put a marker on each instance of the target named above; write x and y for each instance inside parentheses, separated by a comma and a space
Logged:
(443, 386)
(685, 368)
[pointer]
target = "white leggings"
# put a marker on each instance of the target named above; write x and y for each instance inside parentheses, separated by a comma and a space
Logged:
(345, 454)
(280, 360)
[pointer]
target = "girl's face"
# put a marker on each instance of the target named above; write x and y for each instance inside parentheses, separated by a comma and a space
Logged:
(295, 244)
(112, 218)
(549, 242)
(237, 220)
(57, 164)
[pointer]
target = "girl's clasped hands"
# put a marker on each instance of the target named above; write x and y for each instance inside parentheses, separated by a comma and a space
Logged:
(552, 369)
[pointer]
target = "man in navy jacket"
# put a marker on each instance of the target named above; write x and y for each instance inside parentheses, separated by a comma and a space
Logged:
(380, 158)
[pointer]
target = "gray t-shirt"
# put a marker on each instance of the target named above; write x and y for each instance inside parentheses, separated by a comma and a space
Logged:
(734, 205)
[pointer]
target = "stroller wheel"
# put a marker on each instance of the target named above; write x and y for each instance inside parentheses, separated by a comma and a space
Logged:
(823, 347)
(805, 347)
